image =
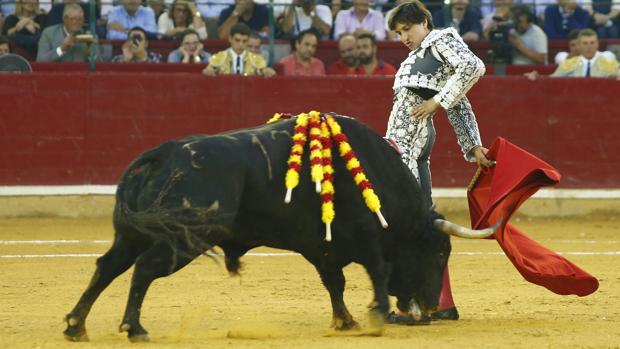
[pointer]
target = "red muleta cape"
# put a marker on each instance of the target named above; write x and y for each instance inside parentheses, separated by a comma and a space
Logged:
(497, 193)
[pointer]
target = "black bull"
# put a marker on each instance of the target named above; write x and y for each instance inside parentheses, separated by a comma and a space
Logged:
(184, 197)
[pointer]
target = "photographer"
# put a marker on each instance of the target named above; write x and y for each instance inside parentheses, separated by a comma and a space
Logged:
(528, 40)
(135, 49)
(502, 14)
(306, 14)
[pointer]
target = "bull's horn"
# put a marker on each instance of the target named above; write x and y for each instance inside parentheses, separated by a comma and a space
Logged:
(463, 232)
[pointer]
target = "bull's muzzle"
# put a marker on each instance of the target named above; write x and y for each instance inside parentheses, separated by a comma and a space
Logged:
(464, 232)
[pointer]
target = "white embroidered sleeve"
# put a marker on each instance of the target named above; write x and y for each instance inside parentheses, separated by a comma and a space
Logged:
(463, 120)
(467, 69)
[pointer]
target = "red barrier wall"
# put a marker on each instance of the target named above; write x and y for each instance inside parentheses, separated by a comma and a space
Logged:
(80, 128)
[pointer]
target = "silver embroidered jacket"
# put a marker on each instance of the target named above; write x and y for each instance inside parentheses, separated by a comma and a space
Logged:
(443, 63)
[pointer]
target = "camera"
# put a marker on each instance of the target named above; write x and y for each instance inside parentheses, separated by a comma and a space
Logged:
(501, 49)
(136, 39)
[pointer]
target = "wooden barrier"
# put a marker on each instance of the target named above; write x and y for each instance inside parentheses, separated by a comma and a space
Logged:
(81, 128)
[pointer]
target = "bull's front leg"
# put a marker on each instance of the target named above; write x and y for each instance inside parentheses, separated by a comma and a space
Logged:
(378, 271)
(334, 281)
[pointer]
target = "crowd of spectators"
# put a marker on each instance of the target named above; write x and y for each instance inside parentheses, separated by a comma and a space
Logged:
(517, 32)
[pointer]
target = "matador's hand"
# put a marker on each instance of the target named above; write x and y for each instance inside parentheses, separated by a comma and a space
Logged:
(480, 153)
(424, 110)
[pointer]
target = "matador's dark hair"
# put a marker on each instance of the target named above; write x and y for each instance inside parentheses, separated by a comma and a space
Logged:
(412, 12)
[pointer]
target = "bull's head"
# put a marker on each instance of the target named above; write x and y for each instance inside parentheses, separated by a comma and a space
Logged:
(420, 278)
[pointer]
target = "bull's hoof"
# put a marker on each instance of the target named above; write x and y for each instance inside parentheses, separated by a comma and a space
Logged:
(139, 338)
(136, 334)
(406, 319)
(75, 336)
(75, 331)
(342, 325)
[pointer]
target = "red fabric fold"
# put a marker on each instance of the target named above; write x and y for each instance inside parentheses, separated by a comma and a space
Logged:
(497, 194)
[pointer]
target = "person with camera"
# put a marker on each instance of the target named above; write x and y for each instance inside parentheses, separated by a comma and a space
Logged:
(135, 49)
(306, 14)
(190, 51)
(528, 40)
(64, 42)
(439, 74)
(493, 21)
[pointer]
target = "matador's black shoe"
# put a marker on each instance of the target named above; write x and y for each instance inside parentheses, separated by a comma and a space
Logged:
(447, 314)
(406, 319)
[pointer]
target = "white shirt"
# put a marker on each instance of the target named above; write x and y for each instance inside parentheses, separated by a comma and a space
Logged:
(235, 69)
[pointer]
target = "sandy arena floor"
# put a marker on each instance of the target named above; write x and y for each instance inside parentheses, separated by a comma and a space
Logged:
(279, 302)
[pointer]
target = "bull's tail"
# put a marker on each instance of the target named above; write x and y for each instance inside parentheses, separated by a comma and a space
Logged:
(187, 230)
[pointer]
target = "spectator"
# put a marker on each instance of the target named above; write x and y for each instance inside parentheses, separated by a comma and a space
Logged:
(590, 62)
(604, 14)
(1, 21)
(573, 48)
(501, 15)
(55, 15)
(301, 62)
(348, 62)
(158, 8)
(135, 49)
(306, 14)
(563, 17)
(236, 59)
(434, 5)
(462, 17)
(130, 15)
(24, 27)
(5, 45)
(529, 40)
(358, 19)
(182, 15)
(336, 6)
(255, 16)
(254, 46)
(190, 51)
(61, 42)
(367, 54)
(213, 9)
(279, 6)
